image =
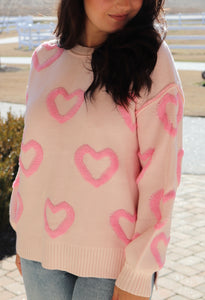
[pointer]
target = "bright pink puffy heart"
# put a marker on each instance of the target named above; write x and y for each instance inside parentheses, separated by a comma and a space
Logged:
(40, 66)
(35, 163)
(147, 155)
(164, 117)
(53, 110)
(155, 201)
(17, 208)
(154, 247)
(114, 221)
(107, 174)
(65, 224)
(127, 118)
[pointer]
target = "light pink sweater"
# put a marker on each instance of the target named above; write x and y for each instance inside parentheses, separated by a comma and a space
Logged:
(95, 187)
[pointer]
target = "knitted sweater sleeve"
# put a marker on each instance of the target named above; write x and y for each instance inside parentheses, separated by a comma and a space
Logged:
(159, 130)
(15, 205)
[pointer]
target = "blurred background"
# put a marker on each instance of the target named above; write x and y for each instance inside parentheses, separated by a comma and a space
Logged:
(24, 24)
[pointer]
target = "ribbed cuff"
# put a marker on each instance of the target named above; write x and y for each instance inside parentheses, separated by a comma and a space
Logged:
(136, 283)
(81, 261)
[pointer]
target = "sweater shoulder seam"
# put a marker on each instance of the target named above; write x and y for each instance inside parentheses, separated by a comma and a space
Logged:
(159, 95)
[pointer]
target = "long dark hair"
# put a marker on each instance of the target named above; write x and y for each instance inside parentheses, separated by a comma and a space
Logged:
(124, 62)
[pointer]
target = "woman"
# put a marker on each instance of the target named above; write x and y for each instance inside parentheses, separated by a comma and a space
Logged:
(101, 154)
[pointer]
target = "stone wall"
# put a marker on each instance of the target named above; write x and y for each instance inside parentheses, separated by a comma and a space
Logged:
(48, 7)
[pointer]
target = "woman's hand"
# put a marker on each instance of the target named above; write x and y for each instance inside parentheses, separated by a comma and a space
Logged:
(119, 294)
(18, 263)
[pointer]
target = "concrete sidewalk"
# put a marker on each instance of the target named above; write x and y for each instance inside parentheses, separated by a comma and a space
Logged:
(183, 275)
(9, 40)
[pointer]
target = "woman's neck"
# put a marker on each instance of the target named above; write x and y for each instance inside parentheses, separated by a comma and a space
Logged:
(92, 37)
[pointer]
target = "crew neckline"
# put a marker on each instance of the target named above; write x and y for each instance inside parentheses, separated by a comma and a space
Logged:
(82, 50)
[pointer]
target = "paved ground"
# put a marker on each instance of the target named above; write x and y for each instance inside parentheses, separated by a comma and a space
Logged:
(194, 145)
(10, 40)
(183, 275)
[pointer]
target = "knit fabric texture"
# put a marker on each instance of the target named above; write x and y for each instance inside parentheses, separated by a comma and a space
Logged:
(96, 184)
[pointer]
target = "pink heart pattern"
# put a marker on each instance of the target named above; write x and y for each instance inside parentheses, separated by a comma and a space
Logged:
(147, 155)
(65, 224)
(114, 221)
(155, 201)
(40, 66)
(127, 118)
(17, 208)
(179, 164)
(162, 114)
(154, 248)
(52, 108)
(107, 174)
(35, 163)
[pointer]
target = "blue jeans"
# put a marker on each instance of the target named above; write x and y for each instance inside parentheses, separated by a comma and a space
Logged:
(44, 284)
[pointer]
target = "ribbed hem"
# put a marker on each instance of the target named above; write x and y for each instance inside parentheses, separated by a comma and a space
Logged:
(81, 261)
(136, 283)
